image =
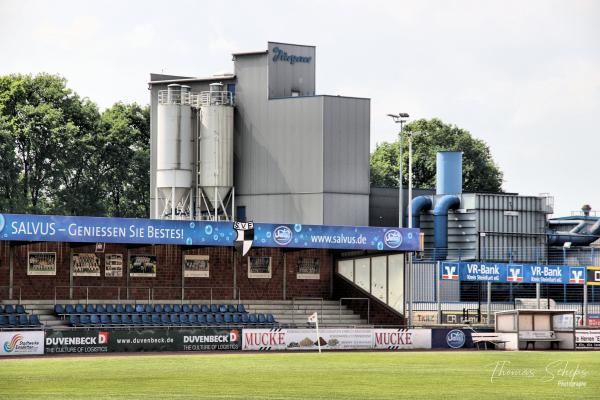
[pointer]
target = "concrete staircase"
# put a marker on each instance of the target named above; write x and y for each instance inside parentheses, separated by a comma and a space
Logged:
(286, 312)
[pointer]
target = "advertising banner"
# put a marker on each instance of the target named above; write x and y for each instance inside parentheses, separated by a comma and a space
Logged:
(593, 275)
(204, 233)
(195, 266)
(424, 318)
(86, 264)
(139, 340)
(306, 339)
(587, 339)
(401, 339)
(515, 273)
(21, 343)
(451, 338)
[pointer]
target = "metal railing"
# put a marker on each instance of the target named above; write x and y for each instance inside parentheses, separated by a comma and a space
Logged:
(355, 298)
(151, 293)
(211, 98)
(294, 299)
(174, 97)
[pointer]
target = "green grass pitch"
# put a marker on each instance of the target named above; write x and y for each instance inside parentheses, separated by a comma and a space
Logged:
(352, 375)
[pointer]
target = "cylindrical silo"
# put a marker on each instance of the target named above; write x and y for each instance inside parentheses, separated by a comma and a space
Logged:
(174, 153)
(449, 172)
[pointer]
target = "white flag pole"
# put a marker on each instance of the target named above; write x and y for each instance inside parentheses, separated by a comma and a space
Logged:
(318, 337)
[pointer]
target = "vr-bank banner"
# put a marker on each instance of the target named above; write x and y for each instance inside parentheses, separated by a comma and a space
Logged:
(203, 233)
(335, 339)
(516, 273)
(21, 343)
(137, 340)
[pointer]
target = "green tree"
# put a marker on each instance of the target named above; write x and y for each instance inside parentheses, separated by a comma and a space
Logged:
(480, 173)
(126, 160)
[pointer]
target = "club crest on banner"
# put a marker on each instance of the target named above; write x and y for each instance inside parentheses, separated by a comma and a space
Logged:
(244, 236)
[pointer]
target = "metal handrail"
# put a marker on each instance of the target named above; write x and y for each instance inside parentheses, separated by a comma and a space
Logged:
(305, 298)
(183, 289)
(11, 289)
(355, 298)
(87, 291)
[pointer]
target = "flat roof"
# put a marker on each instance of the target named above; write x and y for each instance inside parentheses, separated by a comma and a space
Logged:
(205, 79)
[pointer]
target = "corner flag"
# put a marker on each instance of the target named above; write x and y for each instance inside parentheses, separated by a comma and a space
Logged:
(313, 318)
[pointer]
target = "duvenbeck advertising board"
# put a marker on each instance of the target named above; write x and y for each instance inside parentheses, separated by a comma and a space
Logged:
(139, 340)
(306, 339)
(587, 339)
(21, 343)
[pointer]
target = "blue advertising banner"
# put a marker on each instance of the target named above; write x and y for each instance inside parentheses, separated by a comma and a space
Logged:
(203, 233)
(517, 273)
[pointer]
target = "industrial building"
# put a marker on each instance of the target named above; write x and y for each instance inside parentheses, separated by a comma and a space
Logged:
(259, 144)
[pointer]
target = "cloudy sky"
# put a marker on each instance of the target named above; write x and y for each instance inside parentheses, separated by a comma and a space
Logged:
(522, 75)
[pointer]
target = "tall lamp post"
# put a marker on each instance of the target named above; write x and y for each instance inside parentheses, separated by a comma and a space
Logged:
(401, 119)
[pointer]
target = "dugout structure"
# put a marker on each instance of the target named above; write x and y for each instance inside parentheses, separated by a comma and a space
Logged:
(536, 329)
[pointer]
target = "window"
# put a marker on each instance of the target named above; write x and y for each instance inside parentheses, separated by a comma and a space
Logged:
(346, 269)
(379, 278)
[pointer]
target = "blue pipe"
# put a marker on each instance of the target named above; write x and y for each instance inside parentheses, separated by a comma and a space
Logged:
(440, 224)
(576, 236)
(418, 205)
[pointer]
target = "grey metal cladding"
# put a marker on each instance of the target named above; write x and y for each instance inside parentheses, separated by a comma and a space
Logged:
(285, 77)
(345, 209)
(284, 208)
(346, 123)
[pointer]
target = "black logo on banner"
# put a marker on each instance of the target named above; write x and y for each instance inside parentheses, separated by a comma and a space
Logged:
(244, 236)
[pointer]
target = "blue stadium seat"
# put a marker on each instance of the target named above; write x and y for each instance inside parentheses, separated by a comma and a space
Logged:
(241, 308)
(270, 319)
(9, 309)
(120, 309)
(58, 309)
(139, 308)
(158, 308)
(95, 319)
(69, 309)
(174, 318)
(147, 319)
(222, 308)
(245, 319)
(167, 308)
(186, 308)
(231, 308)
(20, 309)
(184, 319)
(34, 321)
(129, 309)
(149, 309)
(252, 319)
(237, 318)
(176, 308)
(210, 319)
(205, 308)
(136, 319)
(214, 308)
(3, 321)
(115, 319)
(227, 318)
(193, 319)
(74, 320)
(126, 319)
(110, 308)
(156, 319)
(100, 309)
(219, 319)
(164, 319)
(85, 320)
(90, 309)
(262, 319)
(196, 309)
(23, 320)
(202, 320)
(79, 309)
(105, 319)
(1, 309)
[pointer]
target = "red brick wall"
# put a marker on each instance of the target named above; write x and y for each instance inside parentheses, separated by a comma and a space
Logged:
(169, 274)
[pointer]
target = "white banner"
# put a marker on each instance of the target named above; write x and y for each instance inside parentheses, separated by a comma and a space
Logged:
(306, 339)
(19, 343)
(587, 339)
(401, 339)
